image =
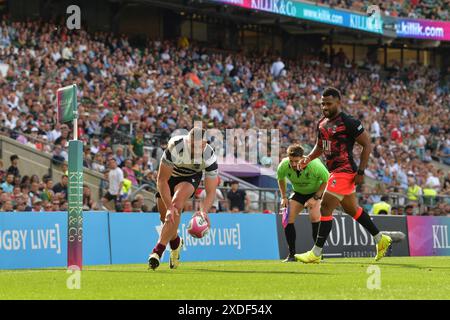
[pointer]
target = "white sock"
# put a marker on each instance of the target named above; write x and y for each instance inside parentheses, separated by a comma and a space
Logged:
(377, 237)
(317, 251)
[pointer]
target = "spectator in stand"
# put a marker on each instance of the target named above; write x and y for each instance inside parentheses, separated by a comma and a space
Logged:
(120, 159)
(139, 203)
(136, 147)
(130, 172)
(238, 199)
(444, 153)
(127, 206)
(37, 205)
(115, 180)
(61, 187)
(14, 165)
(2, 171)
(88, 202)
(8, 185)
(409, 210)
(95, 147)
(59, 155)
(48, 207)
(382, 207)
(277, 68)
(136, 206)
(47, 194)
(216, 204)
(98, 163)
(7, 206)
(127, 184)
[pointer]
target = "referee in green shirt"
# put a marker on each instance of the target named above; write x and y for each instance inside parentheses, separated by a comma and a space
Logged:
(308, 184)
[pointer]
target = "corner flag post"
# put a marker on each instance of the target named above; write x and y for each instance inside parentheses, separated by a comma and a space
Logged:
(68, 111)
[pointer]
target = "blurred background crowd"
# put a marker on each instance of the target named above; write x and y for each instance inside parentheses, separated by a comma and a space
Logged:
(131, 98)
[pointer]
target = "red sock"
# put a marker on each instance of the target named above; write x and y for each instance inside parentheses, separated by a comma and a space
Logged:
(175, 243)
(159, 249)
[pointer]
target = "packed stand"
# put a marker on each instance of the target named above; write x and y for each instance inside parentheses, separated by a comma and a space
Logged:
(165, 86)
(37, 194)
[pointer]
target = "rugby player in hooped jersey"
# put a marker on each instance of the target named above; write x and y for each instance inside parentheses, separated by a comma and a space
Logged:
(180, 172)
(337, 133)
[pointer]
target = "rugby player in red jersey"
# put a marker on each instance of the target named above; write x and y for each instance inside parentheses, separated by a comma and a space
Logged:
(337, 133)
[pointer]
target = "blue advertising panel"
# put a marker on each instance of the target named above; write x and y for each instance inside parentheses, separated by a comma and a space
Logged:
(232, 237)
(33, 240)
(39, 240)
(96, 238)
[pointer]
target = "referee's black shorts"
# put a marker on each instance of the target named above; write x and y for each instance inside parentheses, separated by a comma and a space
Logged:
(301, 198)
(173, 181)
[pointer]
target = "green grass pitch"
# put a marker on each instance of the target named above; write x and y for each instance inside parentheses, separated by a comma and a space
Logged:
(401, 278)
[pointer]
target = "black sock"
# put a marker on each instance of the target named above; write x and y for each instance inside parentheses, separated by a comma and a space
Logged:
(315, 229)
(366, 222)
(290, 234)
(324, 231)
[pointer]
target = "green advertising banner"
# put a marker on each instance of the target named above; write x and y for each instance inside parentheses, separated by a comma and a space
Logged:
(75, 216)
(67, 103)
(313, 12)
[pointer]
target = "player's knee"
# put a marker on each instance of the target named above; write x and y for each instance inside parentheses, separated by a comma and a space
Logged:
(314, 216)
(291, 219)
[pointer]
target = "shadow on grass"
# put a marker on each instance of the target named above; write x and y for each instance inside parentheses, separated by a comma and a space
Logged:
(403, 265)
(189, 271)
(262, 272)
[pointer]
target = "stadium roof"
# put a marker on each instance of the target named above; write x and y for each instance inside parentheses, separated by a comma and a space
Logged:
(215, 11)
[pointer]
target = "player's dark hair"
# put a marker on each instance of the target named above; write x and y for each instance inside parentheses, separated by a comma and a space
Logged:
(295, 150)
(330, 91)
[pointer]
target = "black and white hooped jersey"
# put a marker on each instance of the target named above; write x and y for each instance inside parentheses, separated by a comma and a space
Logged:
(178, 156)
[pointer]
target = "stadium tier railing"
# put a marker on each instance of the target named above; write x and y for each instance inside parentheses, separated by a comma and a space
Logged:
(424, 204)
(35, 162)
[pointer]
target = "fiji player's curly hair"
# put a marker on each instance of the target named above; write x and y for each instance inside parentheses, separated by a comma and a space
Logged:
(331, 91)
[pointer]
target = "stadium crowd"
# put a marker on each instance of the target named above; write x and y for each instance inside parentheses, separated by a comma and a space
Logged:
(425, 9)
(168, 85)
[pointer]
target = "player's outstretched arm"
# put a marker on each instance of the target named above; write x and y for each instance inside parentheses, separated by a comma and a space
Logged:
(210, 188)
(364, 140)
(282, 188)
(315, 153)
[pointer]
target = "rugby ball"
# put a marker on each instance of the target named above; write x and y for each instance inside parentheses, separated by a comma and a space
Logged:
(198, 227)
